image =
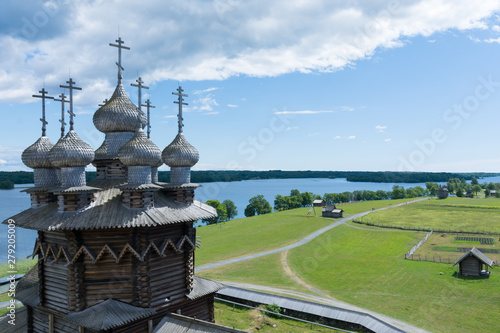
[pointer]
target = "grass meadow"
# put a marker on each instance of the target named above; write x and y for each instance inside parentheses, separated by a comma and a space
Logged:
(265, 232)
(451, 215)
(365, 266)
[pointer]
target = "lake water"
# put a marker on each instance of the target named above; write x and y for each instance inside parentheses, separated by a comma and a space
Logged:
(15, 201)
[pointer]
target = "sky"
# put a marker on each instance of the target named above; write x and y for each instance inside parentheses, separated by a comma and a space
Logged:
(273, 85)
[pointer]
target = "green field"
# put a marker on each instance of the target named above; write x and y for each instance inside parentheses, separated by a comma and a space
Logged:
(365, 266)
(451, 215)
(265, 232)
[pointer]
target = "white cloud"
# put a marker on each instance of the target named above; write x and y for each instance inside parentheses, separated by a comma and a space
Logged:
(202, 40)
(211, 113)
(347, 108)
(314, 134)
(232, 105)
(3, 161)
(291, 128)
(352, 137)
(493, 40)
(380, 128)
(170, 116)
(387, 140)
(302, 112)
(197, 92)
(337, 137)
(496, 28)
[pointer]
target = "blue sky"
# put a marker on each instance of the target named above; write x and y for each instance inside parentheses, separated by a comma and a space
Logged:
(291, 85)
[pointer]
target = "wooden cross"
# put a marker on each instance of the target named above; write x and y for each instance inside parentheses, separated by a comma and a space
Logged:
(43, 96)
(148, 106)
(120, 47)
(71, 88)
(140, 86)
(62, 100)
(181, 103)
(104, 102)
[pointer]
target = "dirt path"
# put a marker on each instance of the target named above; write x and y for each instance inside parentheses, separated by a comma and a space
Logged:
(288, 272)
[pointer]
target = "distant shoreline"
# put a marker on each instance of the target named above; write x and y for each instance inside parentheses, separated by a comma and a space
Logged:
(209, 176)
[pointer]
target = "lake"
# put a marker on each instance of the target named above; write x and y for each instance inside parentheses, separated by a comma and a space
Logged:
(15, 201)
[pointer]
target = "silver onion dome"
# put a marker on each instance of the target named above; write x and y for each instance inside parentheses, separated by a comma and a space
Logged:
(119, 114)
(37, 155)
(180, 153)
(139, 151)
(71, 151)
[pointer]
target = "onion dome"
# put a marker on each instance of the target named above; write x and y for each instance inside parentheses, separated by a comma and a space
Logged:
(180, 153)
(119, 114)
(37, 155)
(139, 151)
(71, 151)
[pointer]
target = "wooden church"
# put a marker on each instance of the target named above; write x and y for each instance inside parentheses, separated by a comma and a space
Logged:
(116, 254)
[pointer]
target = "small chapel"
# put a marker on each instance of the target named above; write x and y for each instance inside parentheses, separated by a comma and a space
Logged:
(115, 254)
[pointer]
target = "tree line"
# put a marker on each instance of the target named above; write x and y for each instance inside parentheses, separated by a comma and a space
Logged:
(206, 176)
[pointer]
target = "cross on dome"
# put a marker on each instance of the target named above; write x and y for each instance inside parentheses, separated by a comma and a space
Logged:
(71, 88)
(181, 103)
(43, 96)
(120, 46)
(148, 106)
(62, 100)
(140, 86)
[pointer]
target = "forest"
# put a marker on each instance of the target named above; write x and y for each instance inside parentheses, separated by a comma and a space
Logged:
(26, 177)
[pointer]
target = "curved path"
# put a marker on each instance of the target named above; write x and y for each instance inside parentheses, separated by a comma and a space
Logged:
(329, 301)
(303, 241)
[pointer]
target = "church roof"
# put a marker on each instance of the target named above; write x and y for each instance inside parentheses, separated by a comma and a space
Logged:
(107, 211)
(180, 153)
(119, 114)
(37, 155)
(27, 290)
(202, 287)
(71, 151)
(139, 151)
(108, 314)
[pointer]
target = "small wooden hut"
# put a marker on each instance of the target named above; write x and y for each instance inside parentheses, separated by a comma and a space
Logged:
(468, 194)
(443, 192)
(319, 203)
(331, 211)
(474, 263)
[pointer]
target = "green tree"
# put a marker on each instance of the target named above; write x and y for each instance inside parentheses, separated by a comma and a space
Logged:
(476, 188)
(398, 192)
(231, 209)
(307, 199)
(221, 212)
(258, 205)
(281, 202)
(474, 181)
(486, 192)
(6, 185)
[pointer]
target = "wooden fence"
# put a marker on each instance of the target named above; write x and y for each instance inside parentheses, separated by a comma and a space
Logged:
(415, 248)
(418, 228)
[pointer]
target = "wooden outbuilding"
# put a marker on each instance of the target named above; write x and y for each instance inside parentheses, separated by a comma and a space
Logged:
(443, 192)
(474, 263)
(331, 211)
(319, 203)
(468, 194)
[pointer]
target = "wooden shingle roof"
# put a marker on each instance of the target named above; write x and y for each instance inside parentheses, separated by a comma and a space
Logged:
(478, 254)
(182, 324)
(107, 211)
(108, 314)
